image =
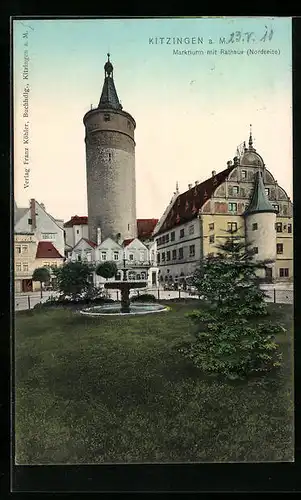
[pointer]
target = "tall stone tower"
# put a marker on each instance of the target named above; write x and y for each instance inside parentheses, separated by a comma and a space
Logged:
(260, 220)
(110, 163)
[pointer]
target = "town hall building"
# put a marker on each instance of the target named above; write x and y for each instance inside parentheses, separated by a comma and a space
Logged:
(244, 196)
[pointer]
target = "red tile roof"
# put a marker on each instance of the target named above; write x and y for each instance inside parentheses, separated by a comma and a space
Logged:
(77, 220)
(46, 250)
(127, 242)
(187, 205)
(145, 228)
(91, 243)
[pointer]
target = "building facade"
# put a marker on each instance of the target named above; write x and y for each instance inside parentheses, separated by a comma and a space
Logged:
(110, 166)
(132, 255)
(38, 242)
(221, 203)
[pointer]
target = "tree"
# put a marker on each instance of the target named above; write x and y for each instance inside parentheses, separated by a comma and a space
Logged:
(228, 340)
(42, 275)
(106, 269)
(74, 278)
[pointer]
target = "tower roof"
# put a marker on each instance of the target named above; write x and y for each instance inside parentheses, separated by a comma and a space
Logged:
(259, 202)
(250, 157)
(109, 98)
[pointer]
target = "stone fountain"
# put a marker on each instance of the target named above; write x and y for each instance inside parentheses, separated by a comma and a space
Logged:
(125, 286)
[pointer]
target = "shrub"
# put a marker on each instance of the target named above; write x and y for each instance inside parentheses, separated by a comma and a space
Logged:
(145, 297)
(107, 269)
(228, 341)
(74, 278)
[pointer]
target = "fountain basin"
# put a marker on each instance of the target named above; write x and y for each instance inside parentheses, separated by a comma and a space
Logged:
(115, 309)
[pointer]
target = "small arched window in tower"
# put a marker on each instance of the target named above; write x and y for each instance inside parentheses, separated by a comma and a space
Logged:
(107, 117)
(110, 156)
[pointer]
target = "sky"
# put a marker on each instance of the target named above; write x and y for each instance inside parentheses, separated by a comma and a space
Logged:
(192, 110)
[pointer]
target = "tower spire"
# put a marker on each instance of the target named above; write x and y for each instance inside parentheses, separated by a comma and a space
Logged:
(250, 138)
(109, 97)
(259, 201)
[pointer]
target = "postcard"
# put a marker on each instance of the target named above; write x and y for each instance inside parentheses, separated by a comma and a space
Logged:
(153, 240)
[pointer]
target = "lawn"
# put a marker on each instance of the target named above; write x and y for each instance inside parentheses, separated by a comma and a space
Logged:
(95, 390)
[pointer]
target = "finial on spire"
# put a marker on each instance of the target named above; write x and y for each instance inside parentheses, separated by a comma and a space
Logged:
(250, 138)
(108, 66)
(177, 187)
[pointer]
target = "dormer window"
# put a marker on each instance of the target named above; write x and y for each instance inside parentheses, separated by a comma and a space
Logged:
(267, 191)
(235, 189)
(243, 174)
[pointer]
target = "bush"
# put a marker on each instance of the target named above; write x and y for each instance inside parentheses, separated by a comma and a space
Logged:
(229, 339)
(91, 296)
(145, 297)
(107, 269)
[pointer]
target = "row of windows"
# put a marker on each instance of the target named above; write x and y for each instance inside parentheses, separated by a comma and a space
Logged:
(167, 256)
(22, 266)
(165, 238)
(21, 249)
(279, 248)
(116, 255)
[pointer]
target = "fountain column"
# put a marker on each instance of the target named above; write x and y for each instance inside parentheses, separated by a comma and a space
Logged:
(125, 298)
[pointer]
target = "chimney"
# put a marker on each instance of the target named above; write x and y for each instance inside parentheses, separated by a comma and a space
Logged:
(229, 163)
(33, 214)
(189, 186)
(98, 236)
(213, 173)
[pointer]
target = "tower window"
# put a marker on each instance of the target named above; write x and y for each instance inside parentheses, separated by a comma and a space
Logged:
(211, 226)
(289, 228)
(235, 189)
(110, 156)
(243, 174)
(279, 227)
(107, 117)
(276, 207)
(128, 227)
(254, 226)
(279, 247)
(267, 191)
(211, 238)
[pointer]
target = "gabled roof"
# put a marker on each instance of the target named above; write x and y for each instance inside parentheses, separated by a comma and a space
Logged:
(259, 201)
(18, 213)
(46, 250)
(76, 221)
(187, 205)
(91, 243)
(127, 242)
(145, 227)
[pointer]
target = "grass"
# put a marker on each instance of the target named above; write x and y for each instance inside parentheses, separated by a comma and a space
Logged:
(99, 390)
